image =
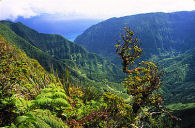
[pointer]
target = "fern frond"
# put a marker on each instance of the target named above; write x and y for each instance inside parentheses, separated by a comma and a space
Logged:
(41, 102)
(45, 90)
(46, 120)
(59, 95)
(40, 119)
(44, 95)
(60, 101)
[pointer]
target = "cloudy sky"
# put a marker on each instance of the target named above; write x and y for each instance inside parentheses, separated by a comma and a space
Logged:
(99, 9)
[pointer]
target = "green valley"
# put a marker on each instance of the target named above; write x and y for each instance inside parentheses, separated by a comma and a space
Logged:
(31, 97)
(54, 51)
(167, 39)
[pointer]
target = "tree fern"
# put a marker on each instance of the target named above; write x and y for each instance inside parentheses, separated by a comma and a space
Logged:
(61, 102)
(39, 119)
(60, 95)
(44, 95)
(53, 98)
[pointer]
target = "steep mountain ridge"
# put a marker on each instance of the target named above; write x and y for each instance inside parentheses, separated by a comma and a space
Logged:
(55, 50)
(29, 49)
(179, 78)
(20, 77)
(158, 32)
(167, 38)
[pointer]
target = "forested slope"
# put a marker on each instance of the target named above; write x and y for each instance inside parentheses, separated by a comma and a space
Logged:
(167, 39)
(158, 32)
(30, 97)
(55, 50)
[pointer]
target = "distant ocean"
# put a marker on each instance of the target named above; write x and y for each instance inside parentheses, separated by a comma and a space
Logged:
(71, 36)
(69, 29)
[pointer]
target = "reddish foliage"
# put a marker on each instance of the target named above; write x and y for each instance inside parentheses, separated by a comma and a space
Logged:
(94, 116)
(7, 69)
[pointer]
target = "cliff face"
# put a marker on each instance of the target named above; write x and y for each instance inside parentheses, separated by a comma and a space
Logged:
(158, 32)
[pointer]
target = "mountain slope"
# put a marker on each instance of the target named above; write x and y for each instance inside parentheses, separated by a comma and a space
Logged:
(55, 50)
(158, 32)
(167, 38)
(179, 79)
(29, 49)
(20, 77)
(31, 97)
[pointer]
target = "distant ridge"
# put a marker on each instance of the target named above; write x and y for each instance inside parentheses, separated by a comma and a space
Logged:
(158, 32)
(167, 38)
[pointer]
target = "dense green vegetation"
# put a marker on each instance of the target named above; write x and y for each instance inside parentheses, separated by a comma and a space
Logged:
(158, 32)
(30, 96)
(54, 51)
(20, 77)
(179, 77)
(33, 98)
(168, 39)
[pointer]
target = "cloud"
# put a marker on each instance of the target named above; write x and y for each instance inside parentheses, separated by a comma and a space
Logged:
(11, 9)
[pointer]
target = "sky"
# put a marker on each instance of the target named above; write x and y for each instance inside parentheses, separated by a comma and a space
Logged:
(92, 9)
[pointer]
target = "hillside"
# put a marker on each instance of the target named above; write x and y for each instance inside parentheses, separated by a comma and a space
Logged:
(20, 77)
(167, 39)
(30, 97)
(55, 50)
(158, 32)
(179, 78)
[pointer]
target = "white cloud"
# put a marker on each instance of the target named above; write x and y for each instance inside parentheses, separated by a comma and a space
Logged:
(11, 9)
